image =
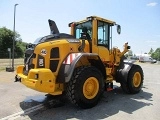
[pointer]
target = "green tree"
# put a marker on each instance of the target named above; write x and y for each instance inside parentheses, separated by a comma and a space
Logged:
(151, 51)
(6, 41)
(20, 48)
(156, 54)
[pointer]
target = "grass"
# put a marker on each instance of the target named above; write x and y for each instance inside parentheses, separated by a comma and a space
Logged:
(7, 63)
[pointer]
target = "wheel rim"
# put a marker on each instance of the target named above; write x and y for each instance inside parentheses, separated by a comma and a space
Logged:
(137, 79)
(90, 88)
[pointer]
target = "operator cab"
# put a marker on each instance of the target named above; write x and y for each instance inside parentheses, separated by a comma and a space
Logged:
(98, 31)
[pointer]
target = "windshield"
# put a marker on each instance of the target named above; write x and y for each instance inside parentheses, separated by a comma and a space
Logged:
(79, 27)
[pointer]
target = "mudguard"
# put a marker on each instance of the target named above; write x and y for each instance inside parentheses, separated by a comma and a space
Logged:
(68, 66)
(123, 71)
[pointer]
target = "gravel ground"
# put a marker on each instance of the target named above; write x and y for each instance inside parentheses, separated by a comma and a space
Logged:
(114, 105)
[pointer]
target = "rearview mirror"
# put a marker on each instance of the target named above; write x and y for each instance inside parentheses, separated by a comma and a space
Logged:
(118, 29)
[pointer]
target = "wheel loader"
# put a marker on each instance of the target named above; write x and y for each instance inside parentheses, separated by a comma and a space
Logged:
(81, 65)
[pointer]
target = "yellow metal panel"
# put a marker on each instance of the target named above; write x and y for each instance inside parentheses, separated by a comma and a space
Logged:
(72, 28)
(95, 17)
(58, 89)
(103, 19)
(82, 21)
(94, 37)
(20, 69)
(108, 71)
(44, 83)
(64, 49)
(103, 53)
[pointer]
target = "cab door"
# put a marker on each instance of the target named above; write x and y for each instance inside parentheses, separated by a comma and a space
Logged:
(101, 42)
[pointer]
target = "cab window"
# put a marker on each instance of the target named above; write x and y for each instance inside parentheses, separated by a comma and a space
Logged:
(78, 33)
(80, 26)
(103, 34)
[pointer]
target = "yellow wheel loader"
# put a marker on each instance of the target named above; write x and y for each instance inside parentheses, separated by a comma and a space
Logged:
(82, 64)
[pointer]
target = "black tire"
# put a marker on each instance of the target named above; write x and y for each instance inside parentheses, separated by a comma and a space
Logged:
(133, 84)
(75, 87)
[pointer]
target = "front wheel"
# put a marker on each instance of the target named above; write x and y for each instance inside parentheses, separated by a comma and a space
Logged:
(135, 80)
(85, 87)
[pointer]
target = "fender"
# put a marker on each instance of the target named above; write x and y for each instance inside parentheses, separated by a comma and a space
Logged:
(123, 70)
(69, 64)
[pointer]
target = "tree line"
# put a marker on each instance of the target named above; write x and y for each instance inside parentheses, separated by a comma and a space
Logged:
(6, 41)
(155, 54)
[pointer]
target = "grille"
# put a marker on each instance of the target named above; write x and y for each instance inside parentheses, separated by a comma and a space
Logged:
(54, 54)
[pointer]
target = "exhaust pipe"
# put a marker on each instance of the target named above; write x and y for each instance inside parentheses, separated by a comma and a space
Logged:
(53, 27)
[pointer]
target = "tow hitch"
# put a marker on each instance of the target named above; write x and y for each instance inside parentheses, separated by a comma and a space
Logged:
(17, 79)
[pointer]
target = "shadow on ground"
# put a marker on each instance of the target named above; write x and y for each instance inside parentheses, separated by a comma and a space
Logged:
(111, 103)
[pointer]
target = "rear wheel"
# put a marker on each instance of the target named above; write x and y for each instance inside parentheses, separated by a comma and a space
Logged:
(86, 87)
(135, 80)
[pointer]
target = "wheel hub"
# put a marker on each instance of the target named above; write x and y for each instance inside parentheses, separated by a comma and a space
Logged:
(90, 88)
(137, 79)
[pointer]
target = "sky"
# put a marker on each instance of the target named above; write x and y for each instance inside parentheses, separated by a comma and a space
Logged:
(139, 19)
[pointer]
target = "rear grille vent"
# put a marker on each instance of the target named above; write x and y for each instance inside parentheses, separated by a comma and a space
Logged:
(54, 53)
(54, 65)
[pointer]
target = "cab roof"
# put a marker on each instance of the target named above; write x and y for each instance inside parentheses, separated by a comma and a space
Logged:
(94, 17)
(101, 19)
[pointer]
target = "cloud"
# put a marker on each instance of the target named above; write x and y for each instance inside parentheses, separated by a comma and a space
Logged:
(152, 4)
(152, 45)
(151, 41)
